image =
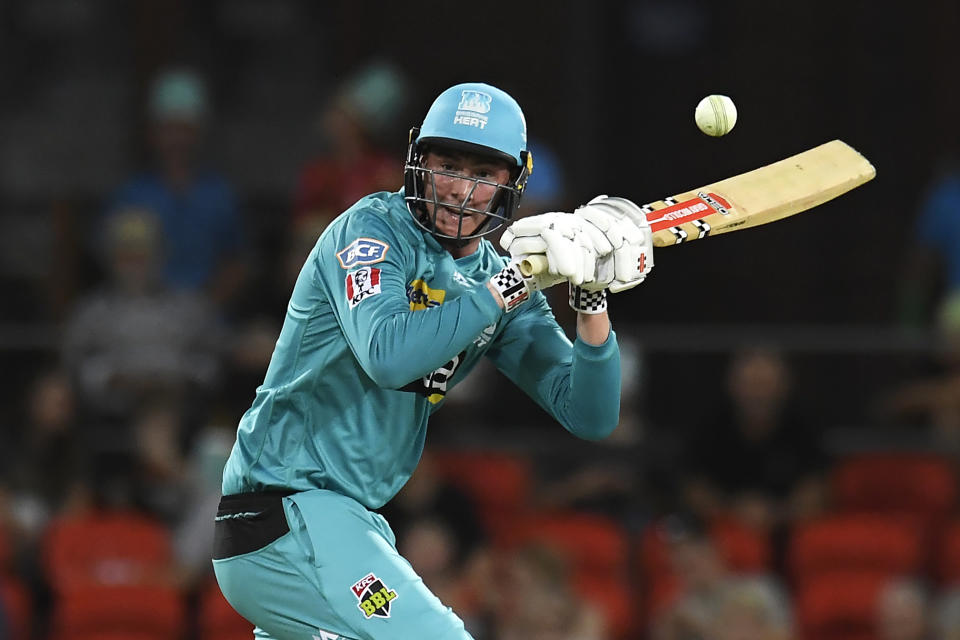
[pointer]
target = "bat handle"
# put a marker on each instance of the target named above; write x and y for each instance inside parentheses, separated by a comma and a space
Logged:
(534, 264)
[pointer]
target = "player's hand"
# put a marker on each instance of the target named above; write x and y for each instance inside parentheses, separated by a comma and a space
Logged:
(573, 248)
(626, 229)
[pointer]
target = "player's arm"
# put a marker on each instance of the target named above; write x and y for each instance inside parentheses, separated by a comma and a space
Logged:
(367, 291)
(578, 384)
(593, 328)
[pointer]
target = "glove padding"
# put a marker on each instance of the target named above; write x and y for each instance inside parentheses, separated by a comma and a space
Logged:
(571, 244)
(627, 231)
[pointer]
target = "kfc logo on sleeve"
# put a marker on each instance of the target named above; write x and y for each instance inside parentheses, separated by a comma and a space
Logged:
(362, 284)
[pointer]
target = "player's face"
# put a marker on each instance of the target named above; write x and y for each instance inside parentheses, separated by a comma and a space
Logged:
(455, 192)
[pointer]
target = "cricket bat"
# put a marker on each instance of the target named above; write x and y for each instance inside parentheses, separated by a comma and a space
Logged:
(767, 194)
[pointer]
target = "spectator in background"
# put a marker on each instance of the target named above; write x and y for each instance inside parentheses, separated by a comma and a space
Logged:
(431, 546)
(160, 463)
(428, 496)
(137, 338)
(45, 457)
(709, 601)
(932, 270)
(933, 402)
(356, 161)
(946, 615)
(532, 598)
(193, 530)
(196, 207)
(755, 457)
(903, 612)
(702, 580)
(753, 609)
(549, 191)
(440, 531)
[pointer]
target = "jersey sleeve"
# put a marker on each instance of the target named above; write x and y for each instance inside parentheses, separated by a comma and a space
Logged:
(364, 269)
(578, 384)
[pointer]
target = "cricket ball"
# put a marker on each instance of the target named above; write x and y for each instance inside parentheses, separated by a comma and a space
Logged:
(715, 115)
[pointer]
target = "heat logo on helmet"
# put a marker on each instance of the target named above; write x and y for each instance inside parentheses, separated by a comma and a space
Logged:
(362, 251)
(477, 101)
(374, 596)
(473, 103)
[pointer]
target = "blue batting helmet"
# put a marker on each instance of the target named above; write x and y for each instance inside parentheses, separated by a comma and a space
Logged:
(477, 118)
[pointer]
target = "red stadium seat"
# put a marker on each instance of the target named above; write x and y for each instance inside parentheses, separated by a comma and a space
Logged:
(18, 607)
(106, 548)
(946, 560)
(653, 554)
(874, 542)
(218, 620)
(596, 545)
(101, 612)
(616, 599)
(499, 483)
(921, 485)
(744, 548)
(660, 593)
(838, 605)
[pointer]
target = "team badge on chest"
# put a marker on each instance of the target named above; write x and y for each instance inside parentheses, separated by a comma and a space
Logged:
(374, 596)
(362, 284)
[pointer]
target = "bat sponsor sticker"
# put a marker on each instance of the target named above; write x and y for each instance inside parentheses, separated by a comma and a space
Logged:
(674, 215)
(362, 251)
(362, 284)
(374, 596)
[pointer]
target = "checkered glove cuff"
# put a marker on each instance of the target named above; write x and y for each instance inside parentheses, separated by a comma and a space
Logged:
(512, 286)
(588, 301)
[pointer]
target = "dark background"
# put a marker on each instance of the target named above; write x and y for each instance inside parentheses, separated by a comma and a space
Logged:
(610, 86)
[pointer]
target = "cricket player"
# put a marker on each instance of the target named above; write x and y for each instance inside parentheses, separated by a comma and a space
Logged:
(396, 303)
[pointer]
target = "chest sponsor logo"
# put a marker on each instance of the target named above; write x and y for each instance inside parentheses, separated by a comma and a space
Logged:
(374, 596)
(422, 296)
(362, 251)
(362, 284)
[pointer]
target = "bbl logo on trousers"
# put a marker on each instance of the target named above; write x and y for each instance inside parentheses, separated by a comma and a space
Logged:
(374, 596)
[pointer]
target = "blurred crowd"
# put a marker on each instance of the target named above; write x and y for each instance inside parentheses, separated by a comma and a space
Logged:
(749, 527)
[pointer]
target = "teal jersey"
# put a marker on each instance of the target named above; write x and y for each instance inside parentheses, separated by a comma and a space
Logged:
(382, 323)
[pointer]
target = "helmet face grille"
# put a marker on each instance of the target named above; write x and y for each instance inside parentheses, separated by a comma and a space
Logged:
(496, 214)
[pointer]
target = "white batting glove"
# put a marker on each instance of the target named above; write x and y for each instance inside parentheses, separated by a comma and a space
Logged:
(626, 229)
(571, 245)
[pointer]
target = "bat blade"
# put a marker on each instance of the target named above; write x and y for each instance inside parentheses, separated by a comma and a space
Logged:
(767, 194)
